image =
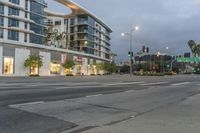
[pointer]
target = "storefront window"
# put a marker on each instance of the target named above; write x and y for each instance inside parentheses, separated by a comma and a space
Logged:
(55, 68)
(8, 65)
(94, 70)
(34, 70)
(79, 69)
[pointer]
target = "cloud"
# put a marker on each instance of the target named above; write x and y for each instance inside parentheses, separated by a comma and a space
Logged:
(162, 23)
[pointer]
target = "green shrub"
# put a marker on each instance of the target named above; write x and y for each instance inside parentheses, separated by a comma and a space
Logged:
(69, 75)
(34, 75)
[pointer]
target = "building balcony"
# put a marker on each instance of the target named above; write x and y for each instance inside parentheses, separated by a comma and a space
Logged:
(82, 22)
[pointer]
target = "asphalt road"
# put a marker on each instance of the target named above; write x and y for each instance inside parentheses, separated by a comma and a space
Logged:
(98, 104)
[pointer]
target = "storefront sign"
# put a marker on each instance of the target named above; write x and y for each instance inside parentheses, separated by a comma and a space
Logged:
(78, 59)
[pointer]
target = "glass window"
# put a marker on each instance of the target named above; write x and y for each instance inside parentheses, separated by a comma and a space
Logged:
(25, 37)
(58, 22)
(1, 21)
(36, 39)
(34, 70)
(25, 25)
(72, 21)
(37, 29)
(13, 23)
(13, 11)
(1, 9)
(26, 5)
(13, 35)
(14, 1)
(36, 7)
(26, 15)
(8, 65)
(38, 19)
(1, 32)
(55, 68)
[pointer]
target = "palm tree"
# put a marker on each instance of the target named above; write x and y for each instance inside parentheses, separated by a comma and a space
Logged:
(192, 44)
(197, 49)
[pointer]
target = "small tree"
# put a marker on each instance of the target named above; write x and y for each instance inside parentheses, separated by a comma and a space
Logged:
(197, 69)
(110, 67)
(68, 65)
(100, 67)
(33, 62)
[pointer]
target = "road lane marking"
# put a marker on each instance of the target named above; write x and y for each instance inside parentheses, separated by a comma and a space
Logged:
(177, 84)
(76, 87)
(94, 95)
(12, 87)
(155, 83)
(129, 91)
(23, 104)
(132, 116)
(84, 83)
(128, 83)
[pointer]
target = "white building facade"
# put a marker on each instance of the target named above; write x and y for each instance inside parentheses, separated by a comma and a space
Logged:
(23, 27)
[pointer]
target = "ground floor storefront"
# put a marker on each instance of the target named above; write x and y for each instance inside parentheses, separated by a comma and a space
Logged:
(12, 60)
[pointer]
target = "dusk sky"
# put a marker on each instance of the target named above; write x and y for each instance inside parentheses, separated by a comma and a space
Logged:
(163, 23)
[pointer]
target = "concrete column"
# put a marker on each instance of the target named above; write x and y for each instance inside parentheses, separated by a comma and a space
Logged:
(45, 69)
(1, 60)
(20, 56)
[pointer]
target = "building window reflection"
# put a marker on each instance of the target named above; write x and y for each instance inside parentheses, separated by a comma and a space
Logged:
(8, 65)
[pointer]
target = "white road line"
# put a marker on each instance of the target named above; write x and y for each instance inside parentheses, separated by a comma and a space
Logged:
(11, 87)
(32, 85)
(10, 84)
(94, 95)
(54, 84)
(155, 83)
(23, 104)
(177, 84)
(128, 83)
(132, 116)
(129, 91)
(76, 87)
(84, 83)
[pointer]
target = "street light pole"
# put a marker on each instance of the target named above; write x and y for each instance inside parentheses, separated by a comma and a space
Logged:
(131, 50)
(131, 47)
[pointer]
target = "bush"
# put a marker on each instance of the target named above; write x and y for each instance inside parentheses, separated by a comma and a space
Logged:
(34, 75)
(69, 75)
(148, 74)
(170, 73)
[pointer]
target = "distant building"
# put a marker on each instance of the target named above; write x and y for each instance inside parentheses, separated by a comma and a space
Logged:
(152, 57)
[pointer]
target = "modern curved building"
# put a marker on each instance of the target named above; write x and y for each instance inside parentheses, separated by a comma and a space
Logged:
(27, 28)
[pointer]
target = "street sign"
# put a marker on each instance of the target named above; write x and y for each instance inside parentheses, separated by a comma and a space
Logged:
(188, 59)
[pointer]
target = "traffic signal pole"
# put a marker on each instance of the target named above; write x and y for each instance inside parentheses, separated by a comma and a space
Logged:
(131, 55)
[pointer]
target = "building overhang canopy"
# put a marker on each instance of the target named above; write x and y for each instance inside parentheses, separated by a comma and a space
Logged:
(76, 10)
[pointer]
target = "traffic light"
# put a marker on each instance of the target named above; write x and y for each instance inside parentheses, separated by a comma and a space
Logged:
(147, 50)
(143, 49)
(130, 54)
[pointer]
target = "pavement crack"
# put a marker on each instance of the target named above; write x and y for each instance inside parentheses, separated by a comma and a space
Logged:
(118, 121)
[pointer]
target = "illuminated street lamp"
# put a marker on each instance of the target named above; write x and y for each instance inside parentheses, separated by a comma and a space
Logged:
(130, 34)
